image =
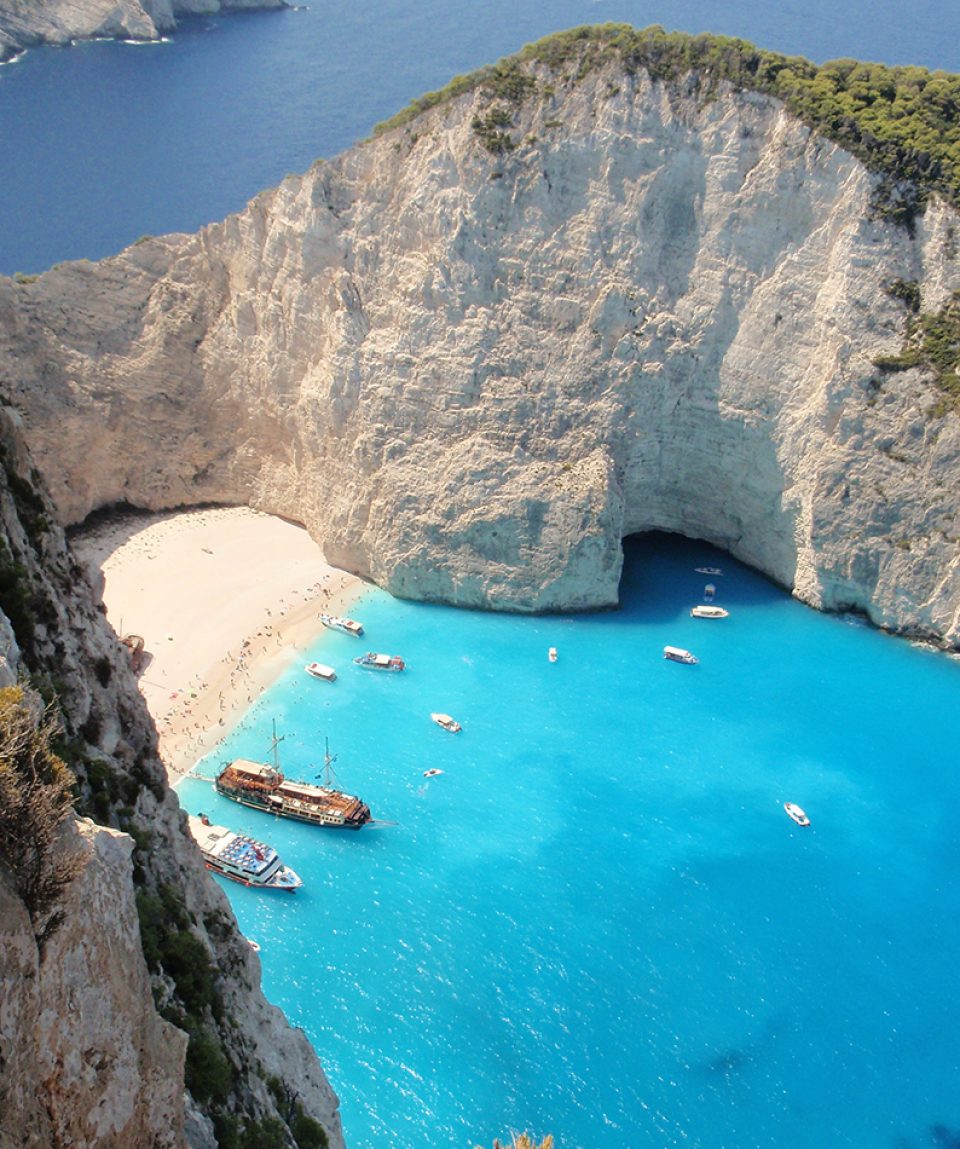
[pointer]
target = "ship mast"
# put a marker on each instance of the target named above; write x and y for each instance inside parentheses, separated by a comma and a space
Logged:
(328, 760)
(274, 746)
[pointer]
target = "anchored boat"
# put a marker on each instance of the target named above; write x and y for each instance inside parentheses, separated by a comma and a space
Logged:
(373, 661)
(264, 787)
(795, 812)
(319, 670)
(447, 723)
(708, 611)
(678, 654)
(345, 625)
(240, 858)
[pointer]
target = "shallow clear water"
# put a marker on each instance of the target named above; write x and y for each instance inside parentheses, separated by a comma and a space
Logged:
(103, 143)
(599, 921)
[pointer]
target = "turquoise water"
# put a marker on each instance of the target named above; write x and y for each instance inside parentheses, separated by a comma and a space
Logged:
(598, 921)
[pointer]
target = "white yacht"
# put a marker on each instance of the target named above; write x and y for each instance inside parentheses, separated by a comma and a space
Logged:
(241, 859)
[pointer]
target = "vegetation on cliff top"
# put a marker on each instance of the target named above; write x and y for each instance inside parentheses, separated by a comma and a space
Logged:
(902, 122)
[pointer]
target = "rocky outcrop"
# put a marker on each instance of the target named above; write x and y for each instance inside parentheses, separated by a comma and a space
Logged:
(140, 1020)
(472, 372)
(27, 23)
(89, 1061)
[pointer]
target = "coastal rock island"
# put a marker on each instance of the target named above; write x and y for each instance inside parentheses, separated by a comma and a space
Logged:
(26, 25)
(570, 300)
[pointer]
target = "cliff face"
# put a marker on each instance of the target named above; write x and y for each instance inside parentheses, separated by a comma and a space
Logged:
(472, 374)
(94, 1025)
(27, 23)
(89, 1061)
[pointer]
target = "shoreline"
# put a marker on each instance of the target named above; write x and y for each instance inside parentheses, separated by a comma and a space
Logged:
(226, 600)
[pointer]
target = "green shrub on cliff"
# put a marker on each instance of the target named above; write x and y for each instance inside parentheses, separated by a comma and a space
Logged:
(932, 341)
(902, 122)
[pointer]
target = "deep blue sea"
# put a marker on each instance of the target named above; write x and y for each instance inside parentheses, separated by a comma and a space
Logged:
(598, 921)
(103, 143)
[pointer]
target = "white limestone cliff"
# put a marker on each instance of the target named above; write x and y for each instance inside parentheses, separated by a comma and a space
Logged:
(26, 23)
(471, 376)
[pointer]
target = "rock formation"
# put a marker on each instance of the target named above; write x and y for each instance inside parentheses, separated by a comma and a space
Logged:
(27, 23)
(473, 363)
(140, 1022)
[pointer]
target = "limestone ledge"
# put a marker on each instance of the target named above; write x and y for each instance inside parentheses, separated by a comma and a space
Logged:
(472, 375)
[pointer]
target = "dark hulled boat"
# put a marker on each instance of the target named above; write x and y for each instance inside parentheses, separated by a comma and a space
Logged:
(264, 787)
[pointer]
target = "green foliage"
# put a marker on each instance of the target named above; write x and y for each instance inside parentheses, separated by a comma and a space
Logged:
(36, 798)
(31, 508)
(508, 81)
(902, 122)
(208, 1074)
(105, 787)
(308, 1133)
(491, 130)
(932, 341)
(907, 291)
(170, 946)
(19, 277)
(16, 599)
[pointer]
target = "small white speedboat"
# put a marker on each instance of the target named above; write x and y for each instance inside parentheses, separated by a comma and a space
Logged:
(707, 610)
(708, 570)
(552, 654)
(794, 812)
(447, 723)
(318, 670)
(678, 654)
(432, 773)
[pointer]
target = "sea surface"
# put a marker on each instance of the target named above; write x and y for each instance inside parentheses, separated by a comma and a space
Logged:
(598, 921)
(103, 142)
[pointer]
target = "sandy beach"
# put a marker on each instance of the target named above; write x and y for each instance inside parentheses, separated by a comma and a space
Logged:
(225, 599)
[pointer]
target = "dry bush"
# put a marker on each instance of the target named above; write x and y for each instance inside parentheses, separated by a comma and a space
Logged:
(36, 798)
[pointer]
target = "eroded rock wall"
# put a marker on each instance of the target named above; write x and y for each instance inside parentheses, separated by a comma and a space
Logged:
(92, 1037)
(471, 375)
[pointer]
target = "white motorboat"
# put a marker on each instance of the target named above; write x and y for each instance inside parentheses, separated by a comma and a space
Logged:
(552, 654)
(344, 625)
(794, 812)
(678, 654)
(318, 670)
(434, 773)
(240, 858)
(706, 610)
(708, 570)
(373, 661)
(447, 723)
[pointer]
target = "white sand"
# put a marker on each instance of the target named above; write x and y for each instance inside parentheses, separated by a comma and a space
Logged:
(225, 600)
